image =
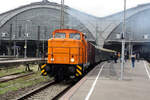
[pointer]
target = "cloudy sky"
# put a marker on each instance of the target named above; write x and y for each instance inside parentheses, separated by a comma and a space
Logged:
(94, 7)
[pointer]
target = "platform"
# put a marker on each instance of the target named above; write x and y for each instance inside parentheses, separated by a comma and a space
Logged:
(20, 60)
(103, 83)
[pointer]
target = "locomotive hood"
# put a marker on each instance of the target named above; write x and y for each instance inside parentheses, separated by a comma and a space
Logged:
(62, 51)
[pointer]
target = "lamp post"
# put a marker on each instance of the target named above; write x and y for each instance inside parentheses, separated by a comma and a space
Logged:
(25, 48)
(123, 40)
(26, 35)
(44, 37)
(43, 48)
(5, 35)
(14, 36)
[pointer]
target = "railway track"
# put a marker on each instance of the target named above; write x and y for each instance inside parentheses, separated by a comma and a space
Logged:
(48, 91)
(13, 77)
(62, 93)
(10, 75)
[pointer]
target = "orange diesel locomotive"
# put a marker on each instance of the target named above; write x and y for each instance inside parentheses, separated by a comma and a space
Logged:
(69, 54)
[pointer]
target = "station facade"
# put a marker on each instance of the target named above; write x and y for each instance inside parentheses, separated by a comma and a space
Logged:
(30, 26)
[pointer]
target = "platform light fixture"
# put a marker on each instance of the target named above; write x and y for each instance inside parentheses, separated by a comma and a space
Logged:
(14, 36)
(118, 36)
(145, 36)
(3, 34)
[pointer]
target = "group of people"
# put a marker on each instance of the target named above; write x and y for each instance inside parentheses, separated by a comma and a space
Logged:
(133, 57)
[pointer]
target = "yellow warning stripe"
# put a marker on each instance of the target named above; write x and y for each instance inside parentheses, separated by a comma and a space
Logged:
(78, 71)
(43, 66)
(77, 74)
(43, 71)
(79, 67)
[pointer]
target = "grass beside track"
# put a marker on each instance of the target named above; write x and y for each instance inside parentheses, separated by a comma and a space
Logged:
(20, 83)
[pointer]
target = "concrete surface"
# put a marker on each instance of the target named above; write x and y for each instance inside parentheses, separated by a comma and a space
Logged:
(108, 86)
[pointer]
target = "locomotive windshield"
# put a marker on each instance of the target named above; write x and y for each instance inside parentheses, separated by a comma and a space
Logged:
(75, 36)
(60, 35)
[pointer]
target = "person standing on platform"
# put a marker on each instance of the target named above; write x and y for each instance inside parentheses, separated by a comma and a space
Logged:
(133, 56)
(119, 56)
(115, 57)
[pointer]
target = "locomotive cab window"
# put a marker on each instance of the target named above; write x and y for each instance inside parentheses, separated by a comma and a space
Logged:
(60, 35)
(85, 37)
(75, 36)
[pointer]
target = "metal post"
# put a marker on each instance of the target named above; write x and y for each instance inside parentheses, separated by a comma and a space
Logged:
(17, 53)
(25, 47)
(14, 48)
(14, 36)
(44, 37)
(62, 15)
(10, 38)
(96, 33)
(0, 42)
(38, 41)
(131, 49)
(43, 44)
(43, 47)
(26, 36)
(123, 41)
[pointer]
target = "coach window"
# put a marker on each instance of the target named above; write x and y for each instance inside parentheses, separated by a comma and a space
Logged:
(75, 36)
(60, 35)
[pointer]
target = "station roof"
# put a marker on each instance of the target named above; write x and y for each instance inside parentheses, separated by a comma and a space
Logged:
(109, 23)
(100, 28)
(87, 20)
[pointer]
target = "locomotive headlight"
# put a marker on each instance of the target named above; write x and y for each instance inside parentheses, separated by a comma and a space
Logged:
(72, 59)
(52, 59)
